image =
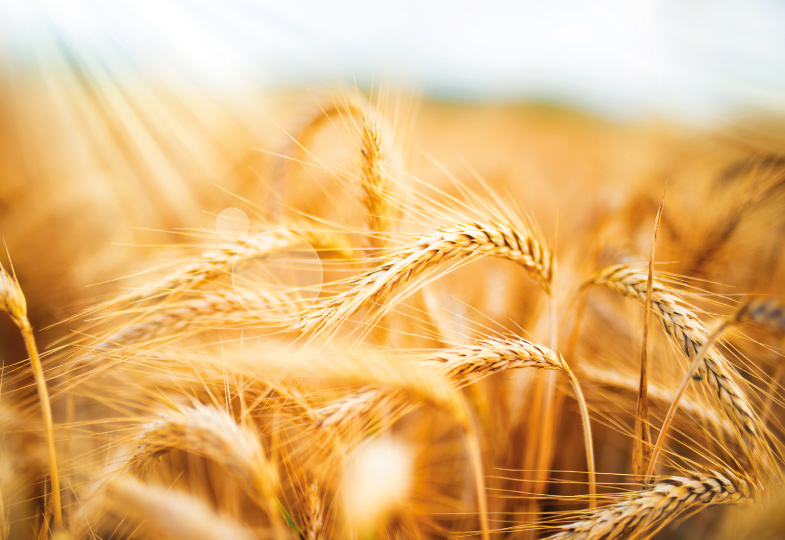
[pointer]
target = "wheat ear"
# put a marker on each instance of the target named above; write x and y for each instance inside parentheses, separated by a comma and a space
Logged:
(768, 313)
(314, 526)
(686, 330)
(375, 177)
(207, 309)
(427, 252)
(417, 381)
(13, 302)
(376, 152)
(650, 508)
(216, 261)
(213, 434)
(219, 260)
(492, 355)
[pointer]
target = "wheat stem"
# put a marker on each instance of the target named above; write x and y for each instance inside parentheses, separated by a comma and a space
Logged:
(46, 412)
(12, 301)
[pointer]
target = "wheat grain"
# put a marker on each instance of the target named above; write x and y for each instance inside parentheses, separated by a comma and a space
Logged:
(492, 355)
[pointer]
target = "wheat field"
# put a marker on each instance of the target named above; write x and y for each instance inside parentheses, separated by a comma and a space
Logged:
(306, 316)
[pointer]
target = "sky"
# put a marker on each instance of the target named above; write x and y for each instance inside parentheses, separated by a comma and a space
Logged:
(693, 59)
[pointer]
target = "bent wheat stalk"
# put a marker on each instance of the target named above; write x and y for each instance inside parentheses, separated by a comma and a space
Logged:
(427, 252)
(492, 355)
(651, 507)
(12, 301)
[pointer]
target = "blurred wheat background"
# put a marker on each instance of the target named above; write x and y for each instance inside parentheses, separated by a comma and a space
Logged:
(403, 271)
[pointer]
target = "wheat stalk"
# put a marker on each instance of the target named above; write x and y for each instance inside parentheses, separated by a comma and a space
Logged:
(427, 252)
(651, 508)
(12, 301)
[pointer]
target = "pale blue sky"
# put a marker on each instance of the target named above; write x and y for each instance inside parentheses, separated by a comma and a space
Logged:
(695, 59)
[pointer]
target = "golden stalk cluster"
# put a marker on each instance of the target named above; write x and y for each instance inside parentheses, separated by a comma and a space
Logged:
(424, 387)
